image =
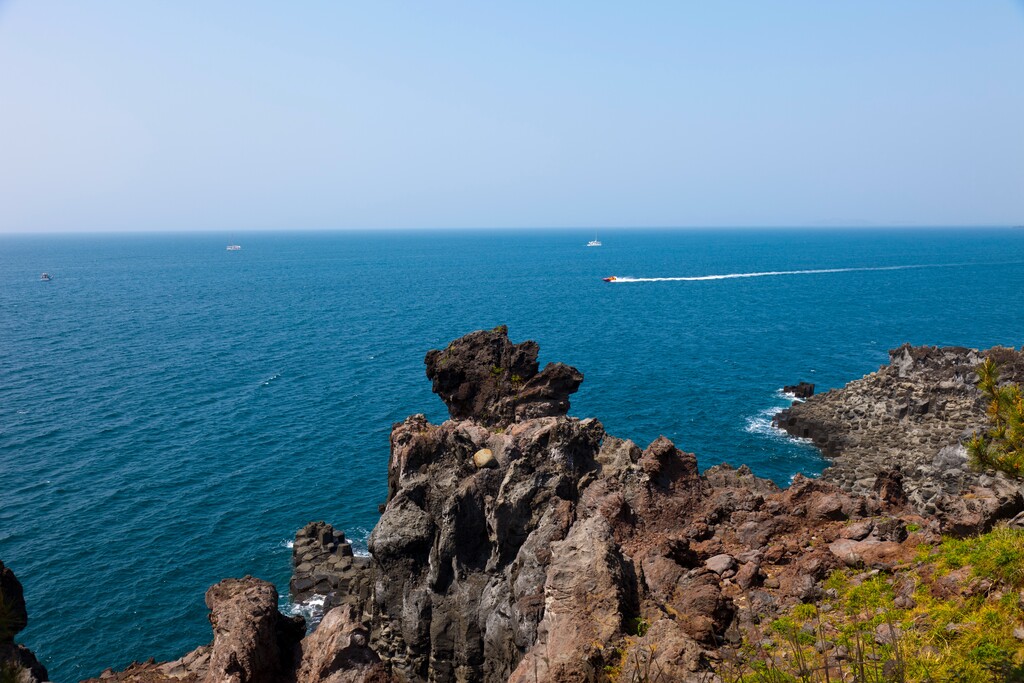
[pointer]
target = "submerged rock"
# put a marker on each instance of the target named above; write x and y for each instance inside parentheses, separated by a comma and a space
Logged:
(803, 390)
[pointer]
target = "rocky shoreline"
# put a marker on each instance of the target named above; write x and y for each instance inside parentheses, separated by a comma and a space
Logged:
(913, 415)
(520, 544)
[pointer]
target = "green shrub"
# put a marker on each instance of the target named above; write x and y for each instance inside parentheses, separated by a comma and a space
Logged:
(1002, 447)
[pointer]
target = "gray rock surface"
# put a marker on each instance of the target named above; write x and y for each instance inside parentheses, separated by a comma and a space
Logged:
(909, 420)
(323, 564)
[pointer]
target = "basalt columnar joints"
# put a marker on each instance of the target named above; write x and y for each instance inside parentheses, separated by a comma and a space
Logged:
(323, 564)
(914, 415)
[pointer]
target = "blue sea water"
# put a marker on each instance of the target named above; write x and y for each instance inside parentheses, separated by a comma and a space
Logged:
(170, 412)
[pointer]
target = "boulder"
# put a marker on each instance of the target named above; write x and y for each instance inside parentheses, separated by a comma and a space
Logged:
(889, 487)
(484, 458)
(721, 564)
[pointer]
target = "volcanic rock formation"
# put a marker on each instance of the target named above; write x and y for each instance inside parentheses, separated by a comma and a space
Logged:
(542, 567)
(324, 565)
(252, 641)
(486, 378)
(913, 416)
(16, 661)
(520, 544)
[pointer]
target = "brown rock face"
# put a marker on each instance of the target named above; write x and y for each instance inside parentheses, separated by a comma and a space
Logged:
(339, 652)
(486, 378)
(252, 641)
(589, 590)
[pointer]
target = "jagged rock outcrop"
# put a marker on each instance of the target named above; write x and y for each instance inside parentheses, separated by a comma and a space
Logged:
(323, 564)
(16, 661)
(486, 378)
(803, 390)
(542, 566)
(913, 416)
(252, 642)
(338, 651)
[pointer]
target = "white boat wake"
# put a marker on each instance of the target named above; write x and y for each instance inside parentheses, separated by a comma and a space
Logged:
(771, 273)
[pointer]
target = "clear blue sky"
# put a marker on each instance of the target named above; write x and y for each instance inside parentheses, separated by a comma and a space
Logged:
(194, 115)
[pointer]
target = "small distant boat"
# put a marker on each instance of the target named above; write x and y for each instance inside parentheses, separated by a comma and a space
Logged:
(234, 247)
(610, 278)
(45, 277)
(594, 243)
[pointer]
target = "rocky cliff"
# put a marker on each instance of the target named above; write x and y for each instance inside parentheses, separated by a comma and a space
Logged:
(913, 416)
(540, 548)
(520, 544)
(17, 663)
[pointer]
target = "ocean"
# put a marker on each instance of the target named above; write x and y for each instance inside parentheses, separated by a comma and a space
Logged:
(172, 412)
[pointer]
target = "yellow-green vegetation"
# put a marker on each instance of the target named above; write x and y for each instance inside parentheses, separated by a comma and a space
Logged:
(997, 555)
(950, 618)
(1002, 448)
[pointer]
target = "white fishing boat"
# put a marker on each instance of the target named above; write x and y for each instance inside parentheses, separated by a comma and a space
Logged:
(45, 277)
(234, 247)
(594, 243)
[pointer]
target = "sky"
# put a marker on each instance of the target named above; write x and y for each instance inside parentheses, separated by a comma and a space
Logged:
(136, 115)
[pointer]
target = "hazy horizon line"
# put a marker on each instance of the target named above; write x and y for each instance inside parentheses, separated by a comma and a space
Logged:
(517, 228)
